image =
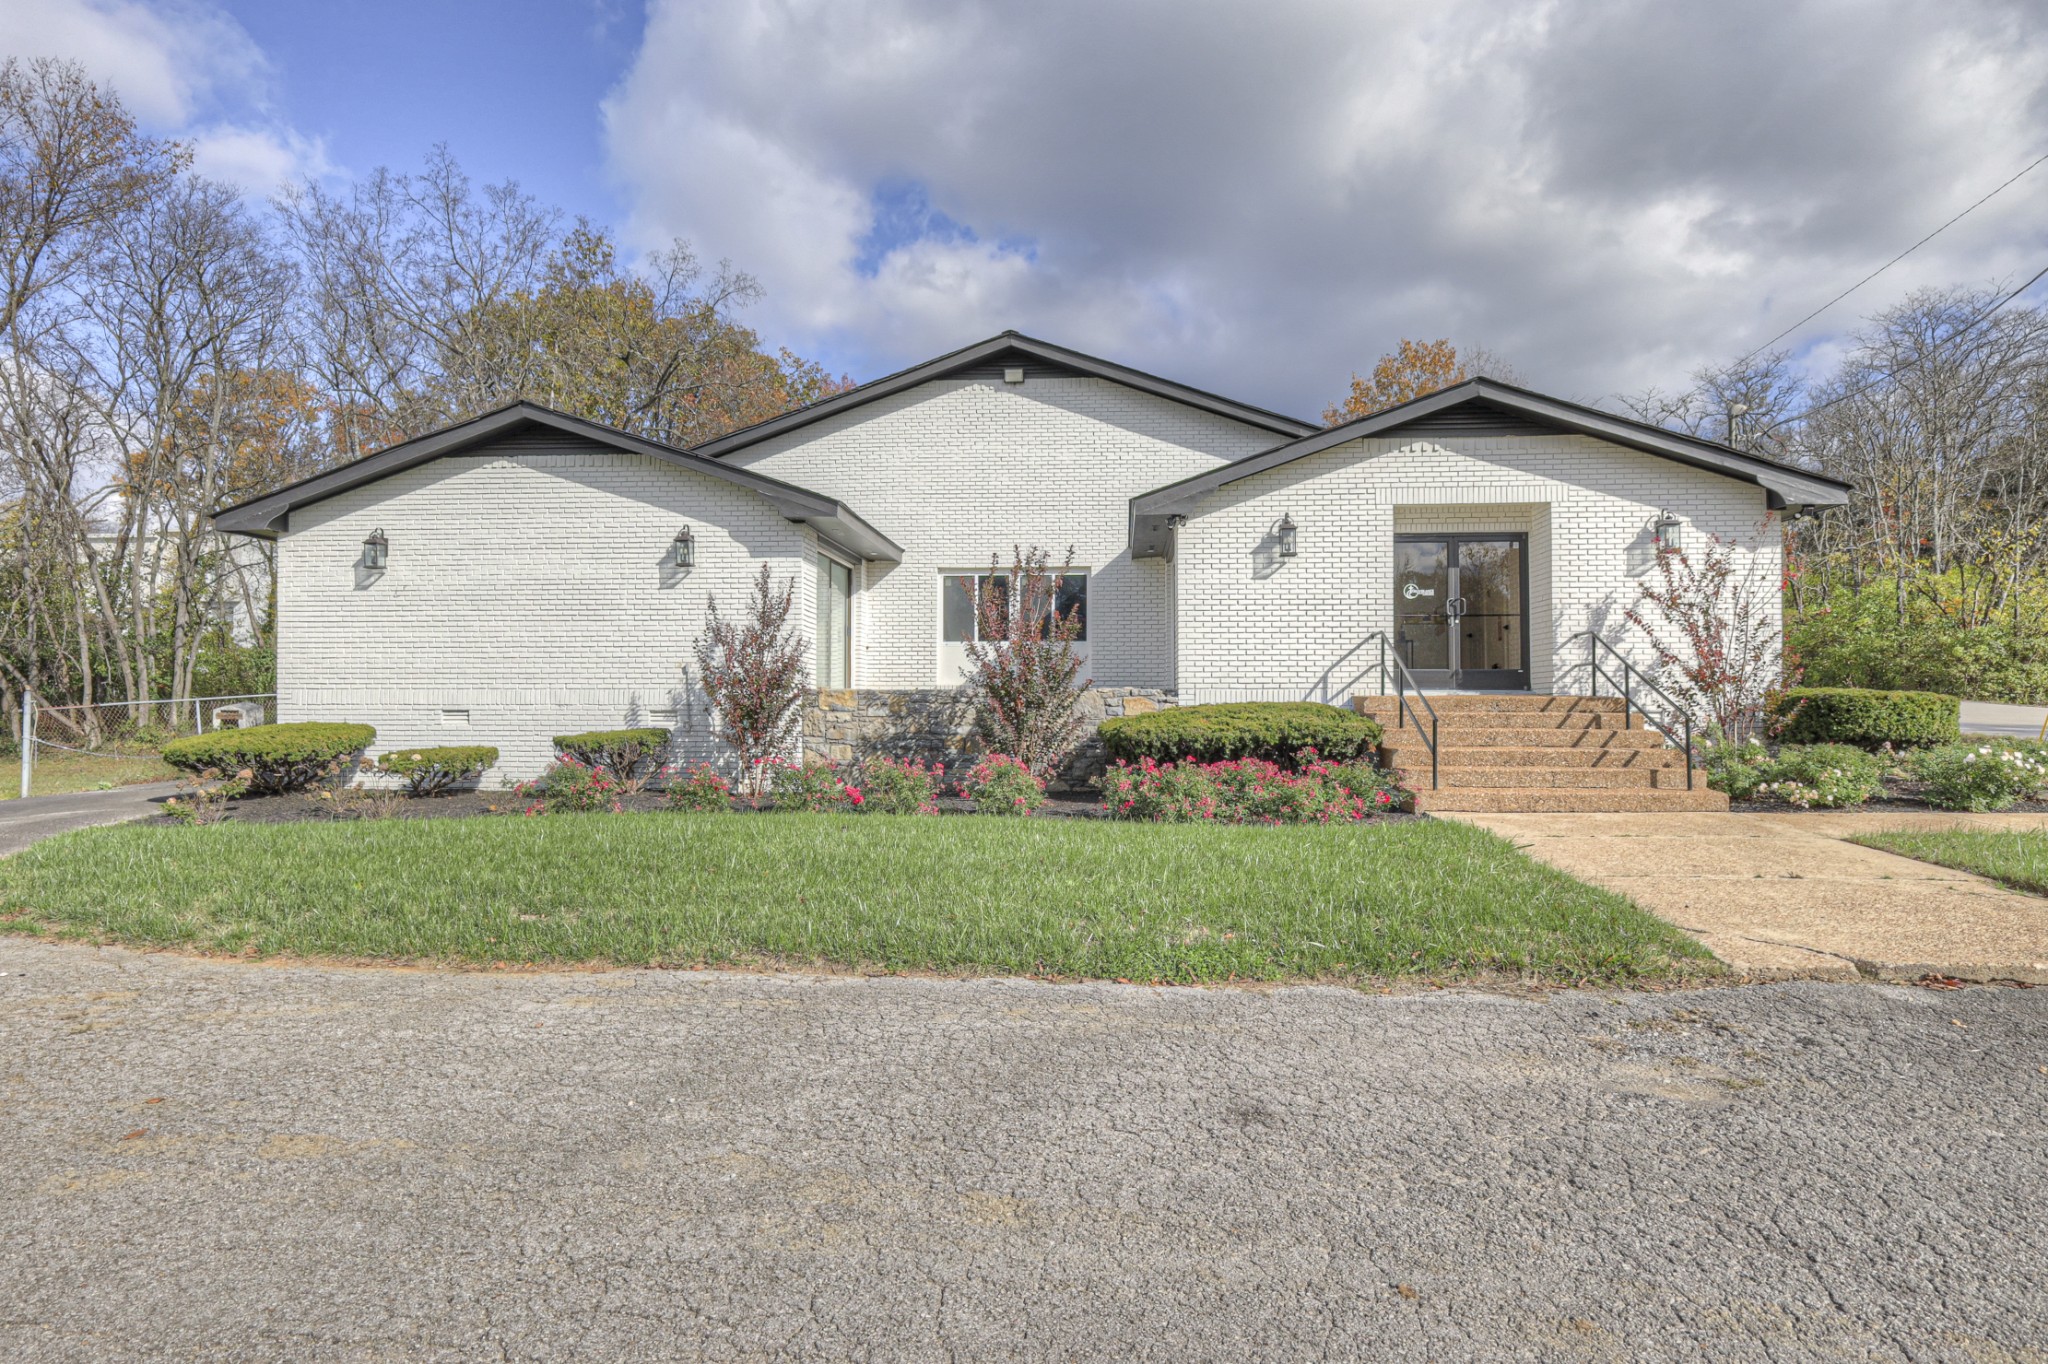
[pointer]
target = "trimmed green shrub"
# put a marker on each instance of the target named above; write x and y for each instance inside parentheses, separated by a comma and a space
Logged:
(1866, 718)
(430, 771)
(1822, 776)
(1276, 731)
(629, 755)
(277, 757)
(1982, 776)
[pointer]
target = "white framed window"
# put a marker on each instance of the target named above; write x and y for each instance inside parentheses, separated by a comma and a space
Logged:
(835, 622)
(964, 594)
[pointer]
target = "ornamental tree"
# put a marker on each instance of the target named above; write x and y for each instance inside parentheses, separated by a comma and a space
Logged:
(752, 672)
(1716, 634)
(1024, 675)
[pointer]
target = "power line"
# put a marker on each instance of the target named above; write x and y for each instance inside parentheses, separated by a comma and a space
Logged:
(1890, 263)
(1920, 359)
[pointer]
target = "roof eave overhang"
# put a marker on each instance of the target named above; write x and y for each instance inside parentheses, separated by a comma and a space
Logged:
(1784, 487)
(970, 356)
(266, 517)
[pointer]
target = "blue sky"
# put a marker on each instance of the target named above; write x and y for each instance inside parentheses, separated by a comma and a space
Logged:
(1256, 199)
(513, 88)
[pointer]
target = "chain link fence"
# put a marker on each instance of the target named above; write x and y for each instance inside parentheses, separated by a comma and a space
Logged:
(116, 743)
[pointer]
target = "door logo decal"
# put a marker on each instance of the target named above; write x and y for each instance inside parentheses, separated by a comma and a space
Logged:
(1413, 590)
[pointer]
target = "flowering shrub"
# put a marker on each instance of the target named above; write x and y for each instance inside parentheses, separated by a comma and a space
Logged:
(1979, 776)
(1170, 792)
(1736, 769)
(1002, 785)
(702, 791)
(1250, 791)
(893, 786)
(812, 787)
(1380, 789)
(1822, 776)
(571, 787)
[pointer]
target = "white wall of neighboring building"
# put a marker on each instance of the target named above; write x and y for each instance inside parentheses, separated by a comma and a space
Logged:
(958, 469)
(1253, 625)
(527, 595)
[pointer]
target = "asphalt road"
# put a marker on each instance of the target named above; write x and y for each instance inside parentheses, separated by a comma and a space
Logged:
(223, 1161)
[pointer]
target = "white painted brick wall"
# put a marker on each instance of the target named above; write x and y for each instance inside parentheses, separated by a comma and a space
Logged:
(530, 590)
(1254, 625)
(959, 469)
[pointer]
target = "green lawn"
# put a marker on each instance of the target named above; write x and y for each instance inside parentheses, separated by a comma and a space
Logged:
(58, 773)
(2017, 858)
(1062, 898)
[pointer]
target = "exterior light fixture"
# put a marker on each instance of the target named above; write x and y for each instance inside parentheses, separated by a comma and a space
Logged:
(376, 551)
(1665, 531)
(683, 553)
(1286, 534)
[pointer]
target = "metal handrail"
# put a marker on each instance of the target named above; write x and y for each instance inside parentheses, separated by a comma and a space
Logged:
(1629, 674)
(1404, 712)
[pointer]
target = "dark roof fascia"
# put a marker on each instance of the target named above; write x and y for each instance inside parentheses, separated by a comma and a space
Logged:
(264, 517)
(1786, 485)
(982, 351)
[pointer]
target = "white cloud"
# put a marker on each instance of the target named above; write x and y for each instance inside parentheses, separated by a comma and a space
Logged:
(1263, 198)
(188, 71)
(260, 160)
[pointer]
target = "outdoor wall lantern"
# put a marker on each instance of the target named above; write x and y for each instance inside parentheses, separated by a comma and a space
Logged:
(376, 551)
(1287, 534)
(1665, 530)
(683, 553)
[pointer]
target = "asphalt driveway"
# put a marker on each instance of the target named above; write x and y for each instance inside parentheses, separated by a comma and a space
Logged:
(227, 1161)
(22, 822)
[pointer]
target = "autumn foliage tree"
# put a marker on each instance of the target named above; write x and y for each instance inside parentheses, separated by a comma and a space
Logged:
(1714, 627)
(1414, 369)
(752, 671)
(1024, 674)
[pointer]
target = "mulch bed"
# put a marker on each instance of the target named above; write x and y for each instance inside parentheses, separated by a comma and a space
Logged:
(302, 807)
(311, 808)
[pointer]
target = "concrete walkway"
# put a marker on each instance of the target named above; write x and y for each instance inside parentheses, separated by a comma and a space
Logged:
(1779, 895)
(23, 822)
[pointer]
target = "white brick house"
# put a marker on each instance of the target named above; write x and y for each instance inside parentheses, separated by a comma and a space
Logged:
(530, 586)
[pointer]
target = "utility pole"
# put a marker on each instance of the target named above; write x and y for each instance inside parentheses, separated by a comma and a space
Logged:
(1734, 410)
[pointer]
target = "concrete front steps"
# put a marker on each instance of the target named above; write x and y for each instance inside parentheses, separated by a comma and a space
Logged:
(1520, 753)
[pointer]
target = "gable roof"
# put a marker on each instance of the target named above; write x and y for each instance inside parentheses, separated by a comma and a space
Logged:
(1007, 350)
(1482, 406)
(265, 516)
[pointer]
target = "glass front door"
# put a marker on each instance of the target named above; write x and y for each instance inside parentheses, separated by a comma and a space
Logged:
(1461, 610)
